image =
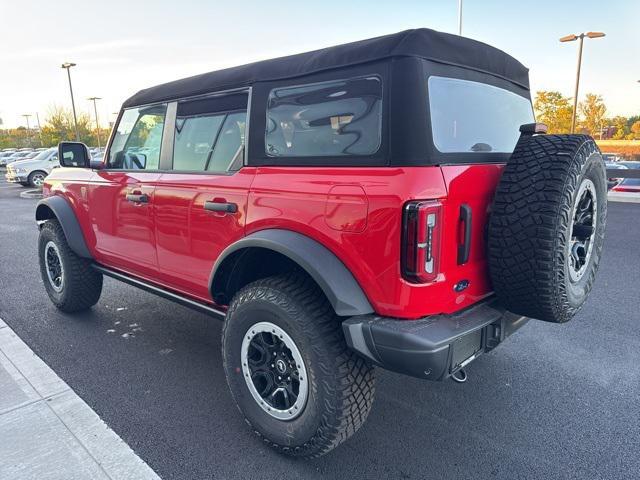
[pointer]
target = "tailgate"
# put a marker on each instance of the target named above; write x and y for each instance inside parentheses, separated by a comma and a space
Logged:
(470, 194)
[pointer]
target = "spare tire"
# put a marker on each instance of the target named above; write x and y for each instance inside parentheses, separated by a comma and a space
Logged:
(547, 225)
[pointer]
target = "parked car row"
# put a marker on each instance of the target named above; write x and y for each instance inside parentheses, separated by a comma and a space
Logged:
(29, 167)
(32, 171)
(11, 155)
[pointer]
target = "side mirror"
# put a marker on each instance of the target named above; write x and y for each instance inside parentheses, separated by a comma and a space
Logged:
(73, 154)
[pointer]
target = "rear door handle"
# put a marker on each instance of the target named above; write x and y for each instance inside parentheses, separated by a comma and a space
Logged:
(465, 248)
(138, 197)
(221, 207)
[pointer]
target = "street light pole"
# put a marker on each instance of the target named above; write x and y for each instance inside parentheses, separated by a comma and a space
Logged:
(95, 110)
(67, 66)
(460, 17)
(39, 129)
(26, 116)
(573, 38)
(575, 92)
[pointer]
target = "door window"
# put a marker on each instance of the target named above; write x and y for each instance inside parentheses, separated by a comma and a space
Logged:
(210, 134)
(194, 140)
(229, 149)
(138, 137)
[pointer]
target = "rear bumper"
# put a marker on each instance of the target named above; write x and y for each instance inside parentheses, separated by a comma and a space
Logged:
(434, 347)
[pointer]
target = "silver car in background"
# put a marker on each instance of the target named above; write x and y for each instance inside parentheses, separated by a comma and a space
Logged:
(13, 157)
(33, 171)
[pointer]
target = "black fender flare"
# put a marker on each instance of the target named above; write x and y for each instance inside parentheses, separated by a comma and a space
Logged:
(67, 219)
(327, 270)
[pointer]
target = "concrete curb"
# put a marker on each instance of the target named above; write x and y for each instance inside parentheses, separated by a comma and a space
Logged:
(36, 193)
(50, 431)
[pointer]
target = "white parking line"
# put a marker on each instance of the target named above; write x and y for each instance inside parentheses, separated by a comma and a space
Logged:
(50, 432)
(626, 197)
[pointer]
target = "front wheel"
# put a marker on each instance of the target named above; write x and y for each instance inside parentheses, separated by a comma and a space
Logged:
(36, 179)
(289, 369)
(70, 281)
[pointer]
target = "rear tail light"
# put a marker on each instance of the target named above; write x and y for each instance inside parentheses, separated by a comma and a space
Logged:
(422, 226)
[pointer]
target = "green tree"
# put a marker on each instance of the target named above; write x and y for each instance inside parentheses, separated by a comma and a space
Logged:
(620, 124)
(58, 126)
(631, 120)
(593, 111)
(554, 110)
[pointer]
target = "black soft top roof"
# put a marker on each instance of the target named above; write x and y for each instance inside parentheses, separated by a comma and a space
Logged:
(423, 43)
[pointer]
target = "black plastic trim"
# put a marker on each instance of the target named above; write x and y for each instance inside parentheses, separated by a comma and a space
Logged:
(161, 292)
(67, 218)
(331, 275)
(221, 207)
(433, 347)
(465, 248)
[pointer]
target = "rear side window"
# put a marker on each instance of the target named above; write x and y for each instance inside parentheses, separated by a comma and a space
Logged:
(329, 119)
(475, 117)
(136, 143)
(210, 134)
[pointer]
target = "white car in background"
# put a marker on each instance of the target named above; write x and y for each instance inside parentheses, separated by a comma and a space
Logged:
(14, 157)
(33, 171)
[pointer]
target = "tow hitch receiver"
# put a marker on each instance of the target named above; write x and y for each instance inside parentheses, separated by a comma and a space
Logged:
(433, 348)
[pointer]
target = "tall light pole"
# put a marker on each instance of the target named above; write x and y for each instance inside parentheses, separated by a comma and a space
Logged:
(460, 17)
(39, 129)
(95, 110)
(26, 116)
(573, 38)
(67, 66)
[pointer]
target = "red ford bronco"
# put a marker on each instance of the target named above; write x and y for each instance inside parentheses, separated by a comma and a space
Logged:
(387, 202)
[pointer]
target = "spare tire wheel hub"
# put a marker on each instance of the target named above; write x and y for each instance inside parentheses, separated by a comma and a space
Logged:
(582, 229)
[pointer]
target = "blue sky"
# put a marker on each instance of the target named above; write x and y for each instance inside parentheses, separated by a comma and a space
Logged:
(123, 46)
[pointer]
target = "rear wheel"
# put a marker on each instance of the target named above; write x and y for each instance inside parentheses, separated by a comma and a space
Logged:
(70, 281)
(289, 369)
(547, 226)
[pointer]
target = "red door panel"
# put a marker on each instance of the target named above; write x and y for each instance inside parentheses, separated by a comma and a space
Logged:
(124, 230)
(190, 238)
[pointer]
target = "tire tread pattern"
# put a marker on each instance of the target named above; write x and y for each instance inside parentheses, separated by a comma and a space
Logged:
(347, 378)
(82, 284)
(528, 224)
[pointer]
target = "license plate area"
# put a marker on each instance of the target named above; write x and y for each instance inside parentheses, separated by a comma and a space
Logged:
(465, 349)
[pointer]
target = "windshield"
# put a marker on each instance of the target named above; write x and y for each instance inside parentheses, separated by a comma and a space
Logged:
(475, 117)
(42, 155)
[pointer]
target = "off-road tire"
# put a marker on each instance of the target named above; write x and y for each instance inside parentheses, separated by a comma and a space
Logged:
(529, 229)
(32, 175)
(82, 285)
(341, 383)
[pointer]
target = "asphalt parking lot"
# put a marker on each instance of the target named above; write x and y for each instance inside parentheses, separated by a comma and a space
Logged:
(555, 401)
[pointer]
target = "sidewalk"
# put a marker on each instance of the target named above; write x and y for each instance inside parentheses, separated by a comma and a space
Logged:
(49, 432)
